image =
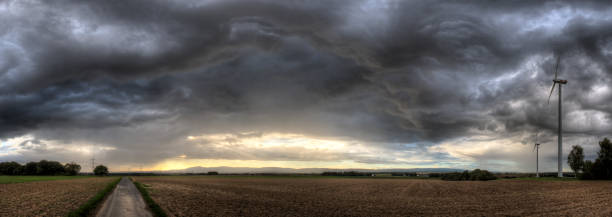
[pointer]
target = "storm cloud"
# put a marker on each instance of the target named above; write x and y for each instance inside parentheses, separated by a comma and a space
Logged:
(380, 83)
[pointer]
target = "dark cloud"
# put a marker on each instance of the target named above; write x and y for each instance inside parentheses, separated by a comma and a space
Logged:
(141, 76)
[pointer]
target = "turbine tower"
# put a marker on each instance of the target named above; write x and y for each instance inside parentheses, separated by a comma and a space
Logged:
(93, 166)
(560, 128)
(536, 148)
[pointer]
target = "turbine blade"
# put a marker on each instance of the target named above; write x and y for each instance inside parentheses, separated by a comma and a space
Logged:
(534, 147)
(557, 66)
(551, 91)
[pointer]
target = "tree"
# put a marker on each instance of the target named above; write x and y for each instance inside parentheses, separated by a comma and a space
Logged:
(482, 175)
(601, 168)
(19, 170)
(49, 168)
(31, 168)
(604, 166)
(72, 168)
(477, 174)
(10, 168)
(575, 158)
(101, 170)
(587, 171)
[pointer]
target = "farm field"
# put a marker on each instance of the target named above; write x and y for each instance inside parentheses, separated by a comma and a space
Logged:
(240, 196)
(19, 179)
(48, 198)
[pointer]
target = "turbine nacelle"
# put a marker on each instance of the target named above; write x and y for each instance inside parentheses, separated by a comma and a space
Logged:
(536, 146)
(556, 81)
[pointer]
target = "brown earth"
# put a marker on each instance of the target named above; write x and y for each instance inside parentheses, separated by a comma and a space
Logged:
(48, 198)
(225, 196)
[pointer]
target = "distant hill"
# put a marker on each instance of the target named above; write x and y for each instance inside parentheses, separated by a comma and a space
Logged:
(302, 170)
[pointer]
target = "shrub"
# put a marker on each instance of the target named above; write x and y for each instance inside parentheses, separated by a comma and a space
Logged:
(212, 173)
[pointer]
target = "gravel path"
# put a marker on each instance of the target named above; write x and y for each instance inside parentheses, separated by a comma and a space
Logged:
(124, 201)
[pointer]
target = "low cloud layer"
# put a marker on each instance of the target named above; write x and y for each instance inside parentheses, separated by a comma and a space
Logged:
(372, 83)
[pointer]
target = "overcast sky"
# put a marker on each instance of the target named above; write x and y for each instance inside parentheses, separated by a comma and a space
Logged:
(158, 85)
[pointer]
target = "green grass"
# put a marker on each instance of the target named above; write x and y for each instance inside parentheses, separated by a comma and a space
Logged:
(155, 209)
(545, 179)
(88, 207)
(19, 179)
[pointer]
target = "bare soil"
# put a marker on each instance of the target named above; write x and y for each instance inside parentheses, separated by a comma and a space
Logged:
(222, 196)
(48, 198)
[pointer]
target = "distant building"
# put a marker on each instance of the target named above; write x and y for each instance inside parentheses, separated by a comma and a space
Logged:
(422, 174)
(381, 174)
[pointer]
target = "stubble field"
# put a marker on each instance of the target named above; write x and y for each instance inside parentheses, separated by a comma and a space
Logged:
(48, 198)
(243, 196)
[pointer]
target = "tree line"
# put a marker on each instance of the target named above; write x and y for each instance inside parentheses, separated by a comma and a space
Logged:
(601, 168)
(43, 167)
(474, 175)
(356, 173)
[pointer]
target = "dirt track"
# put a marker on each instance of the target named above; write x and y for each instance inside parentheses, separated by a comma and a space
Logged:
(48, 198)
(207, 196)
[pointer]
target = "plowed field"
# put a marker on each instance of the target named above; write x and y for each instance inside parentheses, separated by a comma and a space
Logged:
(48, 198)
(223, 196)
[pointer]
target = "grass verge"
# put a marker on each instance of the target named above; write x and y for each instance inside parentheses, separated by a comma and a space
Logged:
(155, 209)
(92, 203)
(20, 179)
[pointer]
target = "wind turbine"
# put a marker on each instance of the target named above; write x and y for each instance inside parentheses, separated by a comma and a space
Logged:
(536, 148)
(560, 139)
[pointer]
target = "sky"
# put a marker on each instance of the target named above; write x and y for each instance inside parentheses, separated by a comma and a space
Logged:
(163, 85)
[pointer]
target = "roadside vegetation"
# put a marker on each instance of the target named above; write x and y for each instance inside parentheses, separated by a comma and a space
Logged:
(153, 206)
(43, 167)
(601, 168)
(90, 206)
